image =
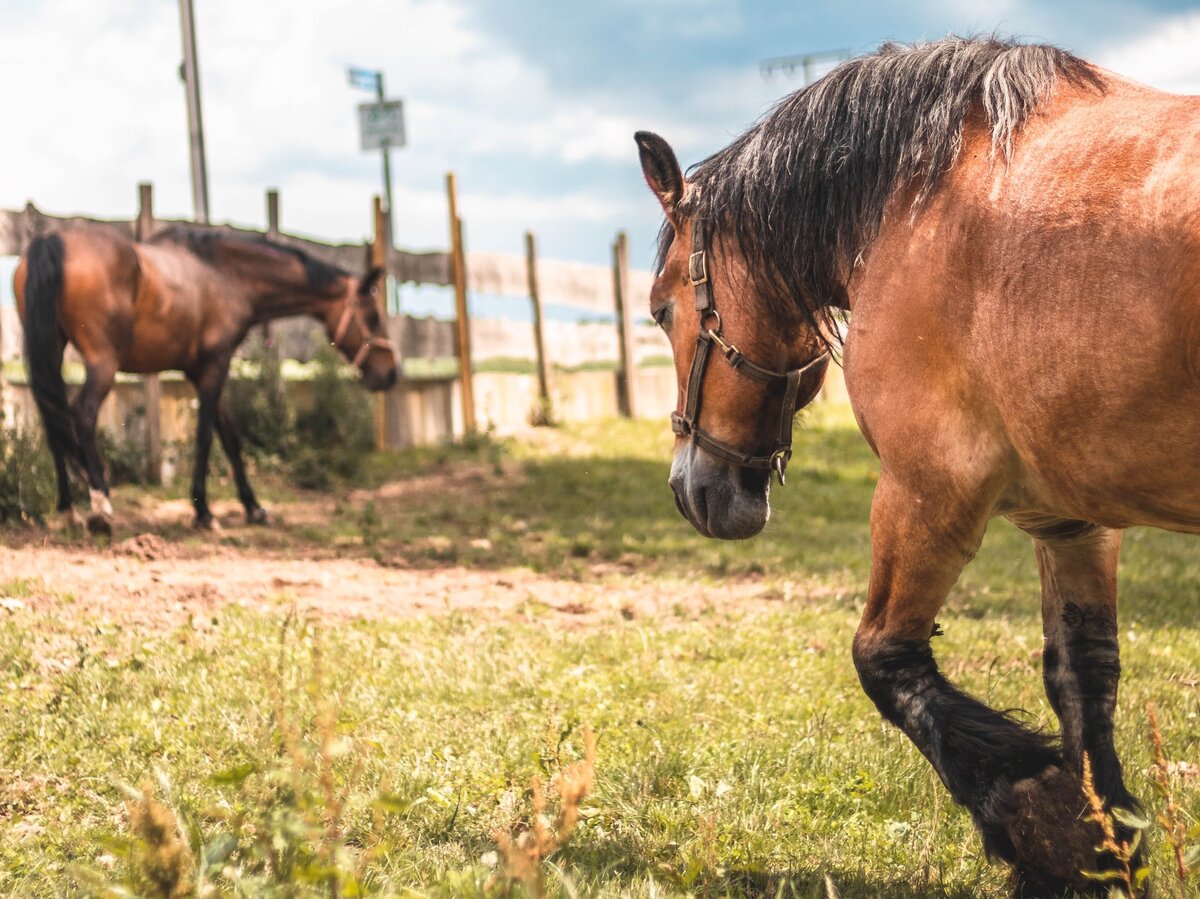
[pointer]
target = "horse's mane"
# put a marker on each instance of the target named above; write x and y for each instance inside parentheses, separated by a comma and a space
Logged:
(206, 245)
(803, 192)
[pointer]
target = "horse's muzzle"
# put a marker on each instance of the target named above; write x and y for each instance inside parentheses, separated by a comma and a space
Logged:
(376, 380)
(717, 497)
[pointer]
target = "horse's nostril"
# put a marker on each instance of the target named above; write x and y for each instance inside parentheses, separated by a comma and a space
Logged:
(754, 479)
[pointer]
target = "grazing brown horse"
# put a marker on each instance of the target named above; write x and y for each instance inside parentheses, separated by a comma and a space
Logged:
(1015, 235)
(183, 300)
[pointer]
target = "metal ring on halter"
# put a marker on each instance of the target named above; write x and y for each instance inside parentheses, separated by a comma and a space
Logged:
(779, 461)
(715, 314)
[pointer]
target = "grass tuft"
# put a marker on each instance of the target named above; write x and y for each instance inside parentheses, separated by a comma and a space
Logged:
(526, 853)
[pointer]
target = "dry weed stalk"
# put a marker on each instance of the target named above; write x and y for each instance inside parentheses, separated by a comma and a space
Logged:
(1121, 851)
(164, 856)
(1169, 817)
(523, 856)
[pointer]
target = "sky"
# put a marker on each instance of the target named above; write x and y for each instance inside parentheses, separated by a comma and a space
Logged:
(532, 104)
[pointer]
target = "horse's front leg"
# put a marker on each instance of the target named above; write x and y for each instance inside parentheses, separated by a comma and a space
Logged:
(1008, 776)
(209, 380)
(232, 443)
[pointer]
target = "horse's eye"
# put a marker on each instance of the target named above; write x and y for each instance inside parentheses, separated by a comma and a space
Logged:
(662, 316)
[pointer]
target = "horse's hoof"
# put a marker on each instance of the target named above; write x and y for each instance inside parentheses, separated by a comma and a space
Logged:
(206, 523)
(1053, 842)
(257, 515)
(1030, 885)
(99, 525)
(71, 520)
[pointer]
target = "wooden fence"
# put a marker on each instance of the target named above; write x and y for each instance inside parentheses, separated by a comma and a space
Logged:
(424, 408)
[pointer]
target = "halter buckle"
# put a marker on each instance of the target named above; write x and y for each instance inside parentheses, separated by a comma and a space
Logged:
(697, 269)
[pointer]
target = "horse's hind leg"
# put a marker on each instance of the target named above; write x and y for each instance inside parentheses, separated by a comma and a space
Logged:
(99, 381)
(1081, 664)
(232, 443)
(66, 508)
(990, 763)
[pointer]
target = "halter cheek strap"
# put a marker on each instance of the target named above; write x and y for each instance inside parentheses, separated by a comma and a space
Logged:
(353, 312)
(687, 424)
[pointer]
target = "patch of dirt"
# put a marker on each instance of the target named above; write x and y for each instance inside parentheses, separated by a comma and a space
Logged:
(166, 575)
(146, 547)
(147, 583)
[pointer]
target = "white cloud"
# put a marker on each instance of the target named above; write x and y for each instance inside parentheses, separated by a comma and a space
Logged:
(100, 107)
(1168, 57)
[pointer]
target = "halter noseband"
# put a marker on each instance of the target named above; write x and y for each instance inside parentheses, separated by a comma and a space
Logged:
(353, 312)
(688, 424)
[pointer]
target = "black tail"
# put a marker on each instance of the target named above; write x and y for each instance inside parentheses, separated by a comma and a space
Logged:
(44, 341)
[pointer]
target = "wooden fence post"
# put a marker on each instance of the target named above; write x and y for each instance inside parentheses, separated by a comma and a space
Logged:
(458, 263)
(143, 230)
(272, 214)
(624, 327)
(543, 414)
(386, 418)
(272, 234)
(6, 416)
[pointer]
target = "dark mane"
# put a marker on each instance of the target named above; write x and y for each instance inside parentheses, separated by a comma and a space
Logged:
(803, 192)
(206, 244)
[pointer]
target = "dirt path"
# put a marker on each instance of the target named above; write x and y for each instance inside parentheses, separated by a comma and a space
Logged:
(147, 583)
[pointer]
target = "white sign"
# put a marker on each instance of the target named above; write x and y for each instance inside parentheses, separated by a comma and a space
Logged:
(381, 122)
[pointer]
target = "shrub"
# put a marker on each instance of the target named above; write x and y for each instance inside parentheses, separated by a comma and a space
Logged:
(259, 406)
(317, 441)
(335, 428)
(126, 455)
(27, 482)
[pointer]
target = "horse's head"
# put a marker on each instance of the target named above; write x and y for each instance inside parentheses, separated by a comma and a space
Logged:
(356, 328)
(742, 373)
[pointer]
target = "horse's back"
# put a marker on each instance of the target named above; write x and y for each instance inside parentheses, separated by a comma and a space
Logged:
(138, 307)
(1047, 313)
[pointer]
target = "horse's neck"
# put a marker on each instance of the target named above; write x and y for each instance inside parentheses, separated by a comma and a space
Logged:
(269, 303)
(275, 284)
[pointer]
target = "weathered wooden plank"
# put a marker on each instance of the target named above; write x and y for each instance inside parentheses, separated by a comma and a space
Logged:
(562, 283)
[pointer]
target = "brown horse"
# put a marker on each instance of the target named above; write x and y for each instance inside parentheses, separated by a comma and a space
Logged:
(1015, 237)
(183, 300)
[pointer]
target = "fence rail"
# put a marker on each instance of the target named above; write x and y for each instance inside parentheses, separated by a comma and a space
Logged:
(417, 412)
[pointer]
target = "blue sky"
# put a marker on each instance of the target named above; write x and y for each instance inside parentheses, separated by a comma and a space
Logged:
(533, 105)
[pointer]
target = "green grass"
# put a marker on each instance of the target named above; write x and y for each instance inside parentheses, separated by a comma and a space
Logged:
(737, 754)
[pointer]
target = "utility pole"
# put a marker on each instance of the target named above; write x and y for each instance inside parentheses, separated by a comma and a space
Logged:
(807, 63)
(190, 71)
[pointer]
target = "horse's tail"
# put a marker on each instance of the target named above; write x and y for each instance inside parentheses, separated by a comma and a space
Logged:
(45, 341)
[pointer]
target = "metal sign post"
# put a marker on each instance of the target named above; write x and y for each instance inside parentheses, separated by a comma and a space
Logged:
(381, 127)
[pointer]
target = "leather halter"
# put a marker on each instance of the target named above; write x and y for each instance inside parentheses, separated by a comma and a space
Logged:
(688, 424)
(352, 311)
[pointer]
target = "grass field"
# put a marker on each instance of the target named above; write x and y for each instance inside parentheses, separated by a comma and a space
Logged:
(735, 753)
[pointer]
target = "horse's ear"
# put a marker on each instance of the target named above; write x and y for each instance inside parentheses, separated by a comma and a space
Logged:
(661, 168)
(370, 279)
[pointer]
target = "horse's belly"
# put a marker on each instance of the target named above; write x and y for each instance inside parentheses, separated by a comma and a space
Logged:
(1146, 474)
(157, 346)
